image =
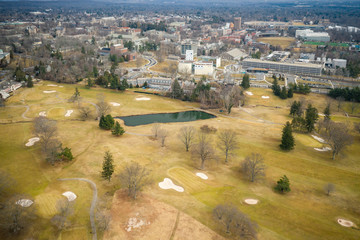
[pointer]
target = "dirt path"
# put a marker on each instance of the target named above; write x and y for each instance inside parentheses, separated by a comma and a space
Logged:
(93, 202)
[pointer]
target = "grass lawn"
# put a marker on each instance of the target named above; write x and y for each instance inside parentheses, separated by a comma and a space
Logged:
(283, 42)
(304, 213)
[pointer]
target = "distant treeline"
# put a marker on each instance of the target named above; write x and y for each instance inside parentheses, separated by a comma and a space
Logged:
(346, 93)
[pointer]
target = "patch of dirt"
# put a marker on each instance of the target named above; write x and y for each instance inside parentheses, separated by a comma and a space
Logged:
(153, 220)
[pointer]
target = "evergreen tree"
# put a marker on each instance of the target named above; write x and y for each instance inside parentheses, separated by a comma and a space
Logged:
(145, 84)
(176, 91)
(327, 113)
(95, 71)
(82, 50)
(108, 166)
(117, 130)
(283, 93)
(283, 185)
(290, 93)
(137, 85)
(294, 109)
(131, 85)
(106, 122)
(245, 81)
(275, 87)
(311, 116)
(287, 140)
(125, 84)
(30, 83)
(66, 154)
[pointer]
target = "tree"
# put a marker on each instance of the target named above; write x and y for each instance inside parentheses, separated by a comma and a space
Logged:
(176, 91)
(95, 71)
(283, 185)
(327, 113)
(253, 166)
(155, 129)
(117, 130)
(64, 209)
(93, 41)
(29, 82)
(108, 166)
(353, 105)
(203, 149)
(102, 106)
(234, 221)
(106, 122)
(245, 81)
(329, 188)
(311, 117)
(227, 142)
(290, 93)
(14, 218)
(338, 137)
(294, 109)
(134, 177)
(46, 130)
(162, 134)
(275, 87)
(75, 96)
(283, 93)
(85, 112)
(287, 140)
(340, 101)
(65, 154)
(186, 136)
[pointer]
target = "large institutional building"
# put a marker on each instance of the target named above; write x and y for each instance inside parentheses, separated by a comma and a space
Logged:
(237, 23)
(294, 68)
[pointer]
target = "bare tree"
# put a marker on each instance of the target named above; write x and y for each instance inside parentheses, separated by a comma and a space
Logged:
(354, 105)
(85, 112)
(329, 188)
(155, 129)
(234, 221)
(186, 136)
(253, 166)
(65, 209)
(340, 101)
(162, 134)
(14, 217)
(203, 149)
(134, 177)
(46, 130)
(103, 107)
(338, 137)
(227, 142)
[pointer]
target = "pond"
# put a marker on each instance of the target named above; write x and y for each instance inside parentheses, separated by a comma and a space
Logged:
(187, 116)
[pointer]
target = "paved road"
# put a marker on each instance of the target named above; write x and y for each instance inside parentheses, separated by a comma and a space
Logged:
(93, 202)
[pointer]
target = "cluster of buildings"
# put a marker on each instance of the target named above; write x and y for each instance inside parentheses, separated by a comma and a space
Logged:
(310, 35)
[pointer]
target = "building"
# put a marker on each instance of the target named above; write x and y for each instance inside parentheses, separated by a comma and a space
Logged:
(188, 46)
(4, 57)
(284, 67)
(262, 24)
(189, 55)
(215, 60)
(158, 83)
(185, 67)
(203, 68)
(237, 23)
(310, 35)
(234, 54)
(341, 63)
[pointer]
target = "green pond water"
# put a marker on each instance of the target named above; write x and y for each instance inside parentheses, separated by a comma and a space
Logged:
(187, 116)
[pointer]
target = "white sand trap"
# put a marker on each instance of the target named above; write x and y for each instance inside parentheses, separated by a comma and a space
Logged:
(345, 223)
(318, 139)
(143, 99)
(324, 149)
(135, 223)
(168, 184)
(52, 85)
(249, 93)
(70, 196)
(68, 113)
(251, 201)
(42, 114)
(202, 175)
(61, 86)
(32, 141)
(265, 97)
(24, 202)
(114, 104)
(51, 91)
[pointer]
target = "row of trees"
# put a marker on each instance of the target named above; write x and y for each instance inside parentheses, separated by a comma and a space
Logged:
(346, 93)
(108, 123)
(283, 93)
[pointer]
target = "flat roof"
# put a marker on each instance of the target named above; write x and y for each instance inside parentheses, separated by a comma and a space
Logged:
(284, 63)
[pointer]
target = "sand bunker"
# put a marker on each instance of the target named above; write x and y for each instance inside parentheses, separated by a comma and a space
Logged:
(251, 201)
(135, 223)
(68, 113)
(168, 184)
(32, 141)
(324, 149)
(249, 93)
(42, 114)
(114, 104)
(318, 139)
(202, 175)
(24, 202)
(142, 99)
(265, 97)
(345, 223)
(70, 196)
(52, 85)
(52, 91)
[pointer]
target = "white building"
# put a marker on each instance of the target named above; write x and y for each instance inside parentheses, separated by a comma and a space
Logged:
(203, 68)
(185, 67)
(189, 56)
(341, 63)
(310, 35)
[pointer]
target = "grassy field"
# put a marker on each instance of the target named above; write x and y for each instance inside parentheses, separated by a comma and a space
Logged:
(283, 42)
(305, 213)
